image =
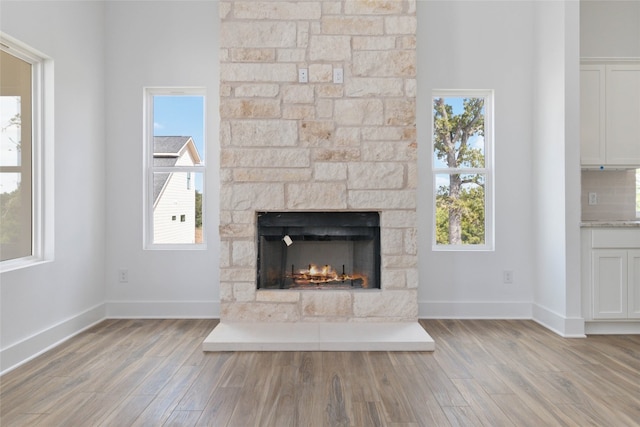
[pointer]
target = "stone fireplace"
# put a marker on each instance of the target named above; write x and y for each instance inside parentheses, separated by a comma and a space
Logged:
(340, 140)
(318, 250)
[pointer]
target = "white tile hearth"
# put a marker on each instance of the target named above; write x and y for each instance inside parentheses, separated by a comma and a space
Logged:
(326, 336)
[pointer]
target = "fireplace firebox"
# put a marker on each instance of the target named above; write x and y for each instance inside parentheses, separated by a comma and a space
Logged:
(318, 250)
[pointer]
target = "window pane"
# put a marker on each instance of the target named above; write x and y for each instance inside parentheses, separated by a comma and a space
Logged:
(460, 209)
(15, 214)
(458, 132)
(172, 199)
(16, 228)
(180, 115)
(10, 135)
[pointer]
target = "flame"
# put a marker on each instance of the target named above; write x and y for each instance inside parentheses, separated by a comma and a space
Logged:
(326, 274)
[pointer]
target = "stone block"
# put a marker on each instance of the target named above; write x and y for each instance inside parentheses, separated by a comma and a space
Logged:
(370, 175)
(291, 55)
(386, 133)
(226, 292)
(391, 303)
(298, 112)
(258, 72)
(374, 43)
(411, 241)
(225, 254)
(264, 133)
(410, 88)
(401, 24)
(412, 278)
(392, 241)
(329, 91)
(400, 112)
(224, 7)
(261, 157)
(259, 312)
(380, 151)
(336, 154)
(320, 73)
(297, 94)
(264, 295)
(331, 7)
(277, 10)
(244, 291)
(252, 55)
(393, 279)
(236, 230)
(243, 253)
(257, 108)
(347, 137)
(353, 25)
(323, 171)
(382, 199)
(257, 90)
(412, 175)
(327, 303)
(324, 108)
(316, 132)
(359, 112)
(257, 196)
(373, 7)
(393, 63)
(399, 261)
(254, 34)
(271, 175)
(303, 35)
(329, 48)
(372, 87)
(319, 195)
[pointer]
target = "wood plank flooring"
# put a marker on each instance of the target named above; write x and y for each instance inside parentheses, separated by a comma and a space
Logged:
(483, 373)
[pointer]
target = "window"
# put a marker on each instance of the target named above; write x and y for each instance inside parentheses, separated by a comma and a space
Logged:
(175, 167)
(463, 170)
(22, 157)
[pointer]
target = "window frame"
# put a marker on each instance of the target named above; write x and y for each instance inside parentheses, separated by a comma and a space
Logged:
(42, 149)
(488, 171)
(149, 169)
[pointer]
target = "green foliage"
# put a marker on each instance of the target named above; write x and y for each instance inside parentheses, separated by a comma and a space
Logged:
(10, 217)
(460, 206)
(471, 206)
(198, 209)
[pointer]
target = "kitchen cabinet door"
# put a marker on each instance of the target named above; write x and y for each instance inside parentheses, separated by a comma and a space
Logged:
(592, 115)
(634, 284)
(622, 125)
(609, 281)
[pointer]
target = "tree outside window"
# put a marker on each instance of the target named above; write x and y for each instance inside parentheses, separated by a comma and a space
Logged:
(462, 170)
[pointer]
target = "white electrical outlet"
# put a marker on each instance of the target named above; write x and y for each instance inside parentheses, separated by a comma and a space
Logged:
(338, 75)
(593, 198)
(123, 276)
(303, 75)
(507, 276)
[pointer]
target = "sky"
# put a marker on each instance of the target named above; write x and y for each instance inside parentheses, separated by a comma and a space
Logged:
(181, 115)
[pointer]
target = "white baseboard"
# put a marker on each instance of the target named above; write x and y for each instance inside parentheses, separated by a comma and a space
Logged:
(567, 327)
(163, 309)
(474, 310)
(612, 327)
(33, 346)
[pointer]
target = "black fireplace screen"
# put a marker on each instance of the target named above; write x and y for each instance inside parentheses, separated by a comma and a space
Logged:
(318, 250)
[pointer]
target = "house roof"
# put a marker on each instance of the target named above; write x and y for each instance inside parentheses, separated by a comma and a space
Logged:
(166, 152)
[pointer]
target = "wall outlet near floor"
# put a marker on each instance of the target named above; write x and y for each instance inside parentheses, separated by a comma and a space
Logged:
(593, 198)
(123, 276)
(507, 276)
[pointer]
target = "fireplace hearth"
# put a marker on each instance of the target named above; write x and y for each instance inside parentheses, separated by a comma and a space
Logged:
(318, 250)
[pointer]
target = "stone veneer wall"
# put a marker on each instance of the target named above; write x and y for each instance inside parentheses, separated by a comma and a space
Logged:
(318, 146)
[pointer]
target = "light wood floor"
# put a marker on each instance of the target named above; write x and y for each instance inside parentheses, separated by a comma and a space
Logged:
(483, 373)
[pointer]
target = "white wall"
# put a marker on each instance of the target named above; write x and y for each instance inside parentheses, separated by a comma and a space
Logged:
(480, 45)
(159, 43)
(40, 305)
(610, 29)
(556, 165)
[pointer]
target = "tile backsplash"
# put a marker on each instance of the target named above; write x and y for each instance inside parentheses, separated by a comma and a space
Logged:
(615, 191)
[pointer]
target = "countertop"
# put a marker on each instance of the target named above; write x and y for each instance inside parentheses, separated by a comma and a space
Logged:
(611, 223)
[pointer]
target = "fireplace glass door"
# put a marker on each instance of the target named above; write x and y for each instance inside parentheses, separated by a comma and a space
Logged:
(318, 250)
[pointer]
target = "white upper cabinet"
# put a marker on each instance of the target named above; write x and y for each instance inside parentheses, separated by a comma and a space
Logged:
(592, 114)
(610, 114)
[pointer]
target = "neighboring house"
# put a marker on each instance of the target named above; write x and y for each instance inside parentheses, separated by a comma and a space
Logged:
(174, 199)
